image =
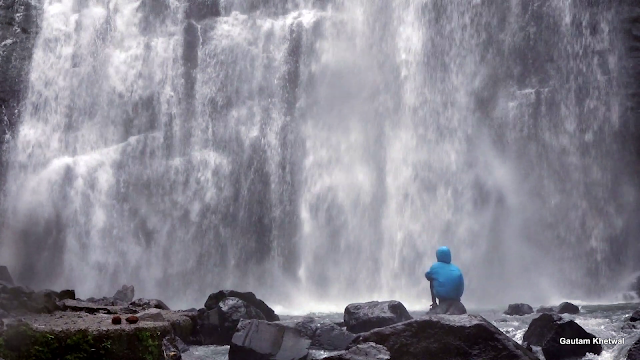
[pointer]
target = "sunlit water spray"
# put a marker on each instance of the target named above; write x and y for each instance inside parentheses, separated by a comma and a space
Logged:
(317, 153)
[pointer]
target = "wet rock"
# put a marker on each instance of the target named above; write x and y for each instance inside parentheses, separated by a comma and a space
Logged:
(545, 310)
(568, 308)
(448, 308)
(106, 301)
(132, 319)
(366, 351)
(545, 332)
(362, 317)
(145, 304)
(151, 315)
(170, 350)
(635, 316)
(261, 340)
(44, 302)
(125, 294)
(67, 294)
(446, 337)
(634, 351)
(217, 326)
(329, 336)
(5, 276)
(519, 309)
(116, 320)
(250, 298)
(87, 307)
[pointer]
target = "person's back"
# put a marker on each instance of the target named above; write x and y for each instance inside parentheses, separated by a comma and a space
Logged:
(446, 279)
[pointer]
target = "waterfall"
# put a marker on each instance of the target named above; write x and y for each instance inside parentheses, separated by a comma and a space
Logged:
(318, 152)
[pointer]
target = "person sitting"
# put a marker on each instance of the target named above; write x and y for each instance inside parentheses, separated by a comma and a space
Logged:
(447, 285)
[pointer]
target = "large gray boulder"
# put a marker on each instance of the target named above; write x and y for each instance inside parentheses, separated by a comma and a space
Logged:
(263, 340)
(546, 332)
(568, 308)
(362, 317)
(217, 326)
(250, 298)
(446, 337)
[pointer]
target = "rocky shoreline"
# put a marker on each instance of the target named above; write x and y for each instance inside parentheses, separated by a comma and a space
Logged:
(56, 325)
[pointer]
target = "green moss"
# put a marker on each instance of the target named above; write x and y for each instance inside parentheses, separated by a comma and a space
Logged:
(24, 343)
(150, 345)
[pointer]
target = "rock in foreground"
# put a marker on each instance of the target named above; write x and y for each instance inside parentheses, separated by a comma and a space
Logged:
(262, 340)
(546, 330)
(363, 317)
(250, 298)
(519, 309)
(367, 351)
(634, 351)
(446, 337)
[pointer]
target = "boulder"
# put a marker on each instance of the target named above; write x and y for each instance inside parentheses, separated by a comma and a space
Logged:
(634, 351)
(635, 316)
(151, 315)
(125, 294)
(44, 302)
(263, 340)
(173, 348)
(67, 294)
(106, 301)
(519, 309)
(545, 310)
(545, 332)
(568, 308)
(5, 276)
(250, 298)
(87, 307)
(145, 304)
(448, 308)
(362, 317)
(324, 335)
(446, 337)
(217, 326)
(366, 351)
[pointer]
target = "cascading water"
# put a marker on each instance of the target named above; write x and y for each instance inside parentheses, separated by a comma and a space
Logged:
(318, 152)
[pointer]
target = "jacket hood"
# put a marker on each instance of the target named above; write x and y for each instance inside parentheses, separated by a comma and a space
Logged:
(443, 255)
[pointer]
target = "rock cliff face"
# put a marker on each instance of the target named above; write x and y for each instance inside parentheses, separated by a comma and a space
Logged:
(18, 31)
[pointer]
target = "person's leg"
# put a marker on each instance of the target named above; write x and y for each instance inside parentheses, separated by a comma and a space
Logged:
(433, 296)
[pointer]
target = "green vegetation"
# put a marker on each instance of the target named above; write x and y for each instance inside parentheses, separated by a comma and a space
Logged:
(23, 343)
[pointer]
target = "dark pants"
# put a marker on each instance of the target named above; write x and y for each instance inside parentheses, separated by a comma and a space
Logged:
(450, 307)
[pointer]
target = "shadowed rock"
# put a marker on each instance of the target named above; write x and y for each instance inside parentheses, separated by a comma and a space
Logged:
(262, 340)
(545, 310)
(545, 332)
(446, 337)
(250, 298)
(362, 317)
(519, 309)
(568, 308)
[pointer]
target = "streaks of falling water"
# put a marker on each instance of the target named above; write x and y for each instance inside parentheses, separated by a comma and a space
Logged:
(317, 152)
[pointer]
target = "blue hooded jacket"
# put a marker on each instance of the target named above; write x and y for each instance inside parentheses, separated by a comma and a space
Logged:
(448, 283)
